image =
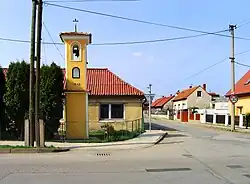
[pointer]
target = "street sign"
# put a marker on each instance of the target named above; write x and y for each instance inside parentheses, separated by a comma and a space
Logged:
(234, 99)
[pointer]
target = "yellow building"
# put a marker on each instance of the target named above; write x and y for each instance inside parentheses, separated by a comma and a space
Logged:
(242, 91)
(95, 96)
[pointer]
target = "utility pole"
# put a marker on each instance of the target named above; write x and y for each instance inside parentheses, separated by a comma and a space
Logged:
(149, 106)
(232, 58)
(38, 58)
(31, 85)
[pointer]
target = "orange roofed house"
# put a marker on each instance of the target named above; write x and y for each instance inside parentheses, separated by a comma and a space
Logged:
(163, 104)
(242, 91)
(193, 97)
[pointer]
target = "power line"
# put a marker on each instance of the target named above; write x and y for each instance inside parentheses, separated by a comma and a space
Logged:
(44, 51)
(243, 23)
(207, 68)
(118, 43)
(211, 66)
(158, 40)
(242, 64)
(140, 21)
(53, 41)
(83, 1)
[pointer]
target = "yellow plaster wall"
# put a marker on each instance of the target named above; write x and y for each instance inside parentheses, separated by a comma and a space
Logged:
(133, 114)
(76, 116)
(244, 102)
(76, 84)
(76, 102)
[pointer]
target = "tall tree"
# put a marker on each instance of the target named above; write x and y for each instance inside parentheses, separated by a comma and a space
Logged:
(16, 97)
(51, 87)
(2, 109)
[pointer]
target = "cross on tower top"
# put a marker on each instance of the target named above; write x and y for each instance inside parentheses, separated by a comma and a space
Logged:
(76, 22)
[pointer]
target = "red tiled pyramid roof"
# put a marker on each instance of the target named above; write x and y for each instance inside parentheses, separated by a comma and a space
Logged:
(185, 93)
(242, 86)
(103, 82)
(161, 101)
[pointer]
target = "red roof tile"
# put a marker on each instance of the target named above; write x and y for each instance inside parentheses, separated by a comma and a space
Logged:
(102, 82)
(161, 101)
(156, 102)
(185, 93)
(242, 86)
(76, 34)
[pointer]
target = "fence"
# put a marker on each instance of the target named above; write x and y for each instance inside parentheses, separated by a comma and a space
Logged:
(109, 127)
(216, 116)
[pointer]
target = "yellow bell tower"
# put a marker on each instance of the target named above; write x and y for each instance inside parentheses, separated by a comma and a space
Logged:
(76, 101)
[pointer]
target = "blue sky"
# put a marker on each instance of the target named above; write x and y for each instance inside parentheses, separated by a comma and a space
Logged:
(165, 64)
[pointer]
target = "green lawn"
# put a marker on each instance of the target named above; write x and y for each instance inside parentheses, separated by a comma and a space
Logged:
(11, 147)
(99, 136)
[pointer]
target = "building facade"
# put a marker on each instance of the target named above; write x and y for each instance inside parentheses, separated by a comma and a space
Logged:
(95, 96)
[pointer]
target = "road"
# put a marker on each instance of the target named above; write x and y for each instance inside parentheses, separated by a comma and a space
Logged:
(189, 154)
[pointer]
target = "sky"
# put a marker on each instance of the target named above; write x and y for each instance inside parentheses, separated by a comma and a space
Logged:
(168, 66)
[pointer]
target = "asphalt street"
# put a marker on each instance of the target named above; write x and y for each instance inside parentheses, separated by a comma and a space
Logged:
(188, 154)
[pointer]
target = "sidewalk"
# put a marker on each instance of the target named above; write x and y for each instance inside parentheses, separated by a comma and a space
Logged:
(144, 140)
(207, 125)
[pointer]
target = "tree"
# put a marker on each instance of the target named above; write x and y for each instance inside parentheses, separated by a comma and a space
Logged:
(16, 97)
(51, 87)
(2, 109)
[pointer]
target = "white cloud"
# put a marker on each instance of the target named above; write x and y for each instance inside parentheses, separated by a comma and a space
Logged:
(137, 54)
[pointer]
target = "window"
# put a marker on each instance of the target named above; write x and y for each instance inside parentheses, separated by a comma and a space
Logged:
(198, 93)
(111, 111)
(104, 111)
(76, 53)
(75, 73)
(117, 110)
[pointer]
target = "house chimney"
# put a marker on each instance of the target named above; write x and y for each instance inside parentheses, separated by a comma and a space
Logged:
(171, 94)
(190, 86)
(205, 87)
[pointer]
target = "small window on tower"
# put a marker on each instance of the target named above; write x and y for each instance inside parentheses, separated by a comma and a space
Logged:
(75, 73)
(76, 52)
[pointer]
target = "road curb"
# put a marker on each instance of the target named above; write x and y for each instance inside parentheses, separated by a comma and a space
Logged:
(32, 150)
(161, 138)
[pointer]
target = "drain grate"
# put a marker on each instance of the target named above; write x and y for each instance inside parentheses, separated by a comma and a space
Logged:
(103, 154)
(168, 169)
(234, 166)
(247, 175)
(187, 155)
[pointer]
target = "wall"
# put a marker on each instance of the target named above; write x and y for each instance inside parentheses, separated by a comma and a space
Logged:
(76, 84)
(201, 102)
(182, 104)
(133, 112)
(221, 105)
(76, 124)
(76, 103)
(244, 102)
(168, 105)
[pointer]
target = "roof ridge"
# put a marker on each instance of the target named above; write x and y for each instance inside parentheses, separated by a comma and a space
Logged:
(97, 69)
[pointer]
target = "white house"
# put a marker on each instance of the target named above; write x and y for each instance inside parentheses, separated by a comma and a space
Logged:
(193, 97)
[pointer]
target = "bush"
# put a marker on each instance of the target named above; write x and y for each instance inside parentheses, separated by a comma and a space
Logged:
(2, 108)
(51, 98)
(16, 98)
